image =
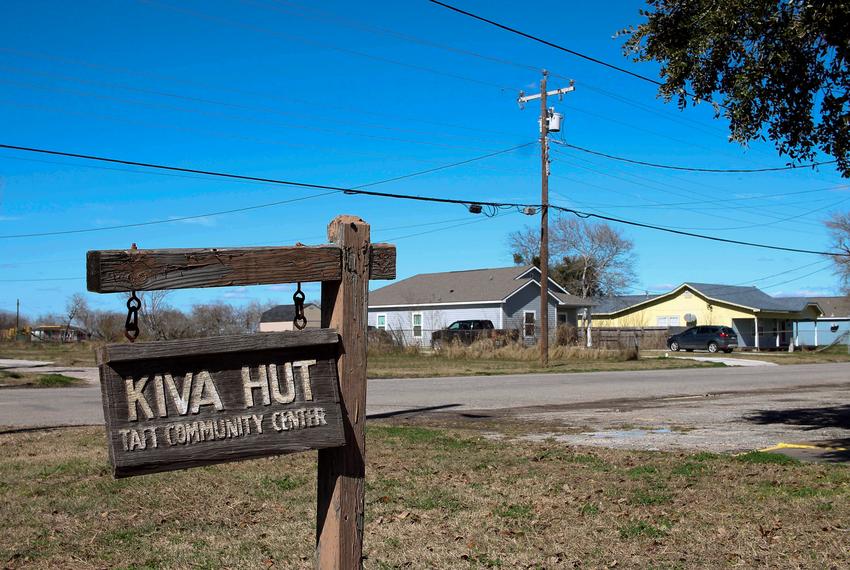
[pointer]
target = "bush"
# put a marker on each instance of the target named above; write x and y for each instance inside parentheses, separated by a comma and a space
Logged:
(566, 335)
(381, 342)
(490, 349)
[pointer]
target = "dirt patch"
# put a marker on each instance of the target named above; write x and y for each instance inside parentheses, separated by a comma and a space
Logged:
(435, 498)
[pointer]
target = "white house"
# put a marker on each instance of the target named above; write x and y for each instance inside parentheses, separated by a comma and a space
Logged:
(509, 297)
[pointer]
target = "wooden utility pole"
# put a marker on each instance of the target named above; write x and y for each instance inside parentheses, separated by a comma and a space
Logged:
(544, 225)
(544, 209)
(342, 470)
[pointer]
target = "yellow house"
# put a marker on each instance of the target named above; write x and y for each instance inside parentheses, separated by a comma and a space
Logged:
(761, 321)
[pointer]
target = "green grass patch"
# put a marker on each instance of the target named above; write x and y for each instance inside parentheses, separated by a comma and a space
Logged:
(642, 471)
(56, 380)
(650, 497)
(689, 469)
(433, 498)
(285, 483)
(518, 511)
(421, 436)
(762, 458)
(589, 509)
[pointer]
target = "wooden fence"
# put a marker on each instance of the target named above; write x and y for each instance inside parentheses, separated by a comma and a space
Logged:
(647, 338)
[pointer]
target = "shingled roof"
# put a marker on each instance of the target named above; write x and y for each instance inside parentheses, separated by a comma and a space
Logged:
(470, 286)
(280, 313)
(833, 306)
(749, 297)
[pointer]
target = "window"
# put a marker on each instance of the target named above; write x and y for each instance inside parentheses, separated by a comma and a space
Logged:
(381, 322)
(417, 325)
(454, 326)
(528, 318)
(667, 321)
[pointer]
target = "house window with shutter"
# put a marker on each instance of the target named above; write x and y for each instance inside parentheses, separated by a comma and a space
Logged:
(528, 321)
(417, 325)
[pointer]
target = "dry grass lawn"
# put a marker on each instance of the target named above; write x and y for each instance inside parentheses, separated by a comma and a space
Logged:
(435, 499)
(63, 354)
(403, 365)
(391, 364)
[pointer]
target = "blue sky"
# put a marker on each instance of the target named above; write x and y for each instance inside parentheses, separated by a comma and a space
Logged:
(341, 94)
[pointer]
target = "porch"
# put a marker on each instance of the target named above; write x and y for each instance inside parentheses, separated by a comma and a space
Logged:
(763, 332)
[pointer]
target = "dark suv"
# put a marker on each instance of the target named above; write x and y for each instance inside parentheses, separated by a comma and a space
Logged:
(466, 332)
(711, 338)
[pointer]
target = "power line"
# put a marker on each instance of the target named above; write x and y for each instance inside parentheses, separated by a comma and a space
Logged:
(787, 271)
(690, 168)
(353, 191)
(675, 190)
(392, 239)
(333, 190)
(206, 87)
(166, 221)
(230, 116)
(821, 270)
(581, 214)
(323, 44)
(548, 43)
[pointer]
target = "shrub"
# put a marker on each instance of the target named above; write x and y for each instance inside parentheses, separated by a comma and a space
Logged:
(490, 349)
(566, 335)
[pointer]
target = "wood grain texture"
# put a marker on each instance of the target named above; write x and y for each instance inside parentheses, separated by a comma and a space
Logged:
(113, 271)
(191, 435)
(341, 476)
(215, 345)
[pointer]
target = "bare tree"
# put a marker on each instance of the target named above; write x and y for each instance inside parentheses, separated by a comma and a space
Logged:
(76, 309)
(594, 259)
(839, 231)
(107, 325)
(249, 315)
(525, 246)
(215, 319)
(159, 320)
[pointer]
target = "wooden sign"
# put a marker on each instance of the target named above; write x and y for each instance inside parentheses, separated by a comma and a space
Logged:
(186, 403)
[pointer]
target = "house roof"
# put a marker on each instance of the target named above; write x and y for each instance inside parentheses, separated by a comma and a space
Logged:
(458, 287)
(281, 313)
(59, 328)
(748, 297)
(620, 302)
(833, 306)
(573, 300)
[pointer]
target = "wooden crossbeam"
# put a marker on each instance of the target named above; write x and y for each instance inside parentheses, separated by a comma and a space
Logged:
(114, 271)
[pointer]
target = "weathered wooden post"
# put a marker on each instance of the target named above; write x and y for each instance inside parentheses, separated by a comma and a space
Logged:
(342, 470)
(183, 403)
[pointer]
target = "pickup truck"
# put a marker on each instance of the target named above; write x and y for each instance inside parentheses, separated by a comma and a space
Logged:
(464, 332)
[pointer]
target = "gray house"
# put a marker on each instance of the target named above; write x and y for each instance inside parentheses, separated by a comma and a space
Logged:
(509, 297)
(281, 318)
(832, 325)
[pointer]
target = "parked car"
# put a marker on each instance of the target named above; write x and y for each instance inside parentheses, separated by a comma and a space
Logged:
(712, 338)
(465, 332)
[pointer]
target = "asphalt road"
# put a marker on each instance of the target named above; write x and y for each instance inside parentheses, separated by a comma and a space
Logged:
(81, 405)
